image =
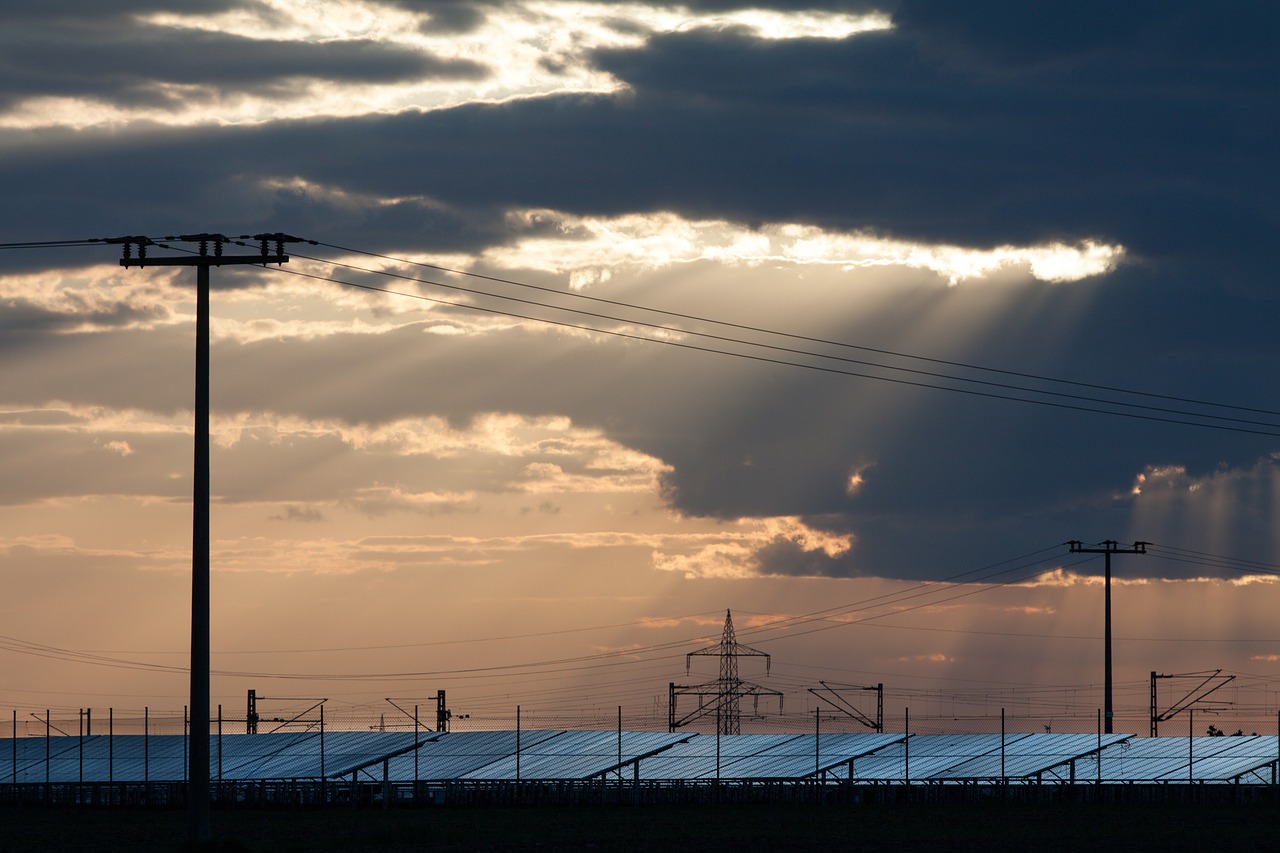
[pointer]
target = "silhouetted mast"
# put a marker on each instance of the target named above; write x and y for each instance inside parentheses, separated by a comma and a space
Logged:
(1108, 548)
(198, 784)
(727, 690)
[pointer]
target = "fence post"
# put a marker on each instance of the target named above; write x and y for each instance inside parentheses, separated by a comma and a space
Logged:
(817, 737)
(324, 787)
(906, 745)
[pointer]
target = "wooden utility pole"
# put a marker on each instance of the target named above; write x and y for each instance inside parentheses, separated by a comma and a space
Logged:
(1107, 549)
(199, 778)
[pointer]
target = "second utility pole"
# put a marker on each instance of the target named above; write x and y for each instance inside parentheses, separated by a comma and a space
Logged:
(1108, 548)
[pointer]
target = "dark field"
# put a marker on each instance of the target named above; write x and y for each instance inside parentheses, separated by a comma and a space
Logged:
(909, 827)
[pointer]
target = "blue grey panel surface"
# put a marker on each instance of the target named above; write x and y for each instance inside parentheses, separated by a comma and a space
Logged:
(1155, 759)
(807, 755)
(1248, 758)
(162, 758)
(923, 757)
(98, 758)
(1025, 756)
(1198, 759)
(458, 755)
(703, 756)
(862, 757)
(454, 755)
(576, 755)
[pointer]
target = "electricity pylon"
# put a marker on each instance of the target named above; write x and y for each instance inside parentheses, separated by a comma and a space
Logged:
(726, 691)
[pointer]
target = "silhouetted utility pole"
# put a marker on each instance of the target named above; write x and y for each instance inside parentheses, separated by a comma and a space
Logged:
(198, 781)
(1107, 549)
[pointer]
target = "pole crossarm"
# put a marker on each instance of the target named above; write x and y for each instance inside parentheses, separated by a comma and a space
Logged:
(270, 249)
(204, 261)
(1108, 547)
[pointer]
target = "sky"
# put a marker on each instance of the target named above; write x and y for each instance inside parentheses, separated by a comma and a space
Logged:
(613, 317)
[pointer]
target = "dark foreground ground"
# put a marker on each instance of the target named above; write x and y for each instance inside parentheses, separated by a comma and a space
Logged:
(870, 828)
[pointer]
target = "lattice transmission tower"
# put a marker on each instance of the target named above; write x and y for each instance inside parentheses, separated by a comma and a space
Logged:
(727, 691)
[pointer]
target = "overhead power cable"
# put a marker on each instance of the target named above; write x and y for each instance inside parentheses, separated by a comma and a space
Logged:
(774, 332)
(1096, 405)
(1214, 561)
(53, 244)
(630, 657)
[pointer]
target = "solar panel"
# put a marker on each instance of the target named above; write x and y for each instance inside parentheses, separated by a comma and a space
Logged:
(650, 756)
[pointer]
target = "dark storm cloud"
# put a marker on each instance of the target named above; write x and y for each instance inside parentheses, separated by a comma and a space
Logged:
(52, 11)
(133, 65)
(876, 131)
(20, 318)
(1147, 145)
(466, 15)
(974, 124)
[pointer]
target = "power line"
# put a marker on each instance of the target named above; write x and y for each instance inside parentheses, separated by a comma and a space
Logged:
(624, 657)
(1218, 561)
(811, 339)
(1177, 416)
(53, 244)
(774, 332)
(1082, 402)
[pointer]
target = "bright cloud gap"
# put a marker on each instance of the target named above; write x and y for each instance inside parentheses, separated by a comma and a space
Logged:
(600, 247)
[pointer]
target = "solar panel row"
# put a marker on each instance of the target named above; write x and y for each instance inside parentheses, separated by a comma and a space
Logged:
(647, 756)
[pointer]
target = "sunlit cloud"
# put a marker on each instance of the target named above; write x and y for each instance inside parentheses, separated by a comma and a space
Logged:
(594, 250)
(780, 25)
(1254, 580)
(724, 560)
(381, 500)
(934, 657)
(1226, 506)
(525, 49)
(733, 554)
(1061, 578)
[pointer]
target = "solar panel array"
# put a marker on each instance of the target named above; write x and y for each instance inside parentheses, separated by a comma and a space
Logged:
(501, 756)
